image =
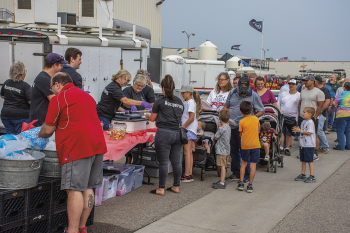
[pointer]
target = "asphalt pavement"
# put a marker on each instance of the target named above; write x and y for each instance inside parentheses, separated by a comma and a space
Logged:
(278, 203)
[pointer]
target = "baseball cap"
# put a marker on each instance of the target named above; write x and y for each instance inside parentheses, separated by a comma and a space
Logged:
(52, 58)
(293, 81)
(309, 77)
(244, 84)
(318, 78)
(186, 88)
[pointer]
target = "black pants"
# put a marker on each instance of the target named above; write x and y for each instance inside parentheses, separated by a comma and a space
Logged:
(168, 146)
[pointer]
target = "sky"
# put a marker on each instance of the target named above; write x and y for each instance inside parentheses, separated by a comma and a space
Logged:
(315, 29)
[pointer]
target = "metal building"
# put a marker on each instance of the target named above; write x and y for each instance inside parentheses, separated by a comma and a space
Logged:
(144, 13)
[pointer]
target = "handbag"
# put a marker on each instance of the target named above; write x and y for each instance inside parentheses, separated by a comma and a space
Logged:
(183, 132)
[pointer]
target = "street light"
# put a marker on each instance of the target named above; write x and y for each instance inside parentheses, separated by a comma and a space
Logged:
(188, 44)
(264, 52)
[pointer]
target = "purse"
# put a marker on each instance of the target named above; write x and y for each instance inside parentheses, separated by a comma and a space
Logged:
(183, 132)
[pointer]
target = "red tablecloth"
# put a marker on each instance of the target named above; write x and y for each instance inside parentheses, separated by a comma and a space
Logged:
(118, 148)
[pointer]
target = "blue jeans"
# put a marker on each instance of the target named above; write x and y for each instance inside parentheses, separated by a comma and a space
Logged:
(13, 126)
(343, 131)
(320, 133)
(236, 154)
(334, 126)
(105, 121)
(331, 118)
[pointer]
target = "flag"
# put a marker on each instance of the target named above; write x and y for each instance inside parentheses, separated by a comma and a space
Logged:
(283, 59)
(182, 50)
(245, 63)
(191, 49)
(235, 47)
(257, 25)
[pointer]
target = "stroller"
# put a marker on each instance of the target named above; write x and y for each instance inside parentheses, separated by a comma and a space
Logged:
(201, 159)
(274, 116)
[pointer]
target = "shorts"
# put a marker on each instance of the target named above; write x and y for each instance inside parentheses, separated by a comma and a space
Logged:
(288, 124)
(262, 145)
(300, 119)
(307, 154)
(252, 155)
(191, 136)
(222, 160)
(82, 174)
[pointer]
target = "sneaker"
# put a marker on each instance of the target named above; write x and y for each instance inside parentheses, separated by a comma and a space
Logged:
(310, 179)
(336, 140)
(249, 189)
(244, 180)
(326, 132)
(191, 177)
(218, 185)
(323, 151)
(300, 177)
(186, 179)
(232, 177)
(267, 158)
(282, 151)
(316, 157)
(329, 126)
(287, 152)
(240, 187)
(83, 230)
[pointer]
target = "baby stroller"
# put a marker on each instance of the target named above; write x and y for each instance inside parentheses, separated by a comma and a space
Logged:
(274, 116)
(201, 159)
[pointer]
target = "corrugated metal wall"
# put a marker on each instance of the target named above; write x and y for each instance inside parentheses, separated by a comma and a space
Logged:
(292, 67)
(8, 4)
(144, 13)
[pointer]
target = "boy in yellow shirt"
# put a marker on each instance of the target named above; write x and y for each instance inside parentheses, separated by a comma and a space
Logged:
(250, 144)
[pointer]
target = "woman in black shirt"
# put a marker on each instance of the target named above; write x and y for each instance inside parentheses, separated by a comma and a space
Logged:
(112, 97)
(167, 112)
(16, 93)
(135, 92)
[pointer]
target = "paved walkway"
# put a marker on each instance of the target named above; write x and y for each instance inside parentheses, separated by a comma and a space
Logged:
(274, 196)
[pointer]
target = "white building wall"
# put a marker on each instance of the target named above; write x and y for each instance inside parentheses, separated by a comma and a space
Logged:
(292, 67)
(8, 4)
(143, 13)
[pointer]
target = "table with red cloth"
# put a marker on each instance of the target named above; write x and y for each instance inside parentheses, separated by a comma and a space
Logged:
(116, 149)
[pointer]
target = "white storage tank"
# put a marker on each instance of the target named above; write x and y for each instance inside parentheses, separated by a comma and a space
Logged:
(208, 51)
(232, 64)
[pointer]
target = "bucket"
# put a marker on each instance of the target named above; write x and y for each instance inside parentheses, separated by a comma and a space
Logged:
(51, 165)
(21, 174)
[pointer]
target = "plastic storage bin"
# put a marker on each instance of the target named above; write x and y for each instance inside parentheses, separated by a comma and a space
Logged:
(126, 183)
(98, 194)
(110, 185)
(138, 176)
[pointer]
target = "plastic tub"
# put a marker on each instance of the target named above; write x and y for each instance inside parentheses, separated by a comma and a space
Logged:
(138, 176)
(110, 185)
(98, 194)
(126, 183)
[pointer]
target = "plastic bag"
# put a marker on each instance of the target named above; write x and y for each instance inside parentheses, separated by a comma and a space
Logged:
(36, 143)
(18, 155)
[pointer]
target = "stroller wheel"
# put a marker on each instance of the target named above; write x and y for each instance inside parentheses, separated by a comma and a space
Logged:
(202, 176)
(275, 166)
(268, 166)
(282, 160)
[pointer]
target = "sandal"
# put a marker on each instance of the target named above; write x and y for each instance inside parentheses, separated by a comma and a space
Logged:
(154, 191)
(169, 189)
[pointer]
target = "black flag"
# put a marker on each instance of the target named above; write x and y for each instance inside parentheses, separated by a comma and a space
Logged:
(235, 47)
(257, 25)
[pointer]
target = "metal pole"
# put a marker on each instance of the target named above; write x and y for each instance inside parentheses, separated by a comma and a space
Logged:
(262, 43)
(241, 61)
(188, 46)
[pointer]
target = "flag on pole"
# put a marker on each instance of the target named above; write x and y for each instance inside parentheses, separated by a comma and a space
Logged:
(235, 47)
(245, 63)
(191, 49)
(257, 25)
(184, 50)
(283, 59)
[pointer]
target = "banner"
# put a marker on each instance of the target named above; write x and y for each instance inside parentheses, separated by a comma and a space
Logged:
(257, 25)
(235, 47)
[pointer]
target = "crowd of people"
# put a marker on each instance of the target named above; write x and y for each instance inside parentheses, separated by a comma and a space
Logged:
(57, 102)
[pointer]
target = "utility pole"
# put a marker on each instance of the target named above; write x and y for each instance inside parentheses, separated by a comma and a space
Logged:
(188, 43)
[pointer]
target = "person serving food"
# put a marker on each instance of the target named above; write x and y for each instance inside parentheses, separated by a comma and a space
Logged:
(112, 97)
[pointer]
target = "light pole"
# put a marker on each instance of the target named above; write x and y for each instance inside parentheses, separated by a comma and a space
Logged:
(265, 52)
(188, 44)
(303, 58)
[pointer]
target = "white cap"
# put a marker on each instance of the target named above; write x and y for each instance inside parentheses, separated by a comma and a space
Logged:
(293, 81)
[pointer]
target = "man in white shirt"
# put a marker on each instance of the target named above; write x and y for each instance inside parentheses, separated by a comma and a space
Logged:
(288, 103)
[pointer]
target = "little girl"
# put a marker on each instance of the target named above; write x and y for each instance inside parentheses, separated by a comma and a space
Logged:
(192, 107)
(265, 135)
(200, 132)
